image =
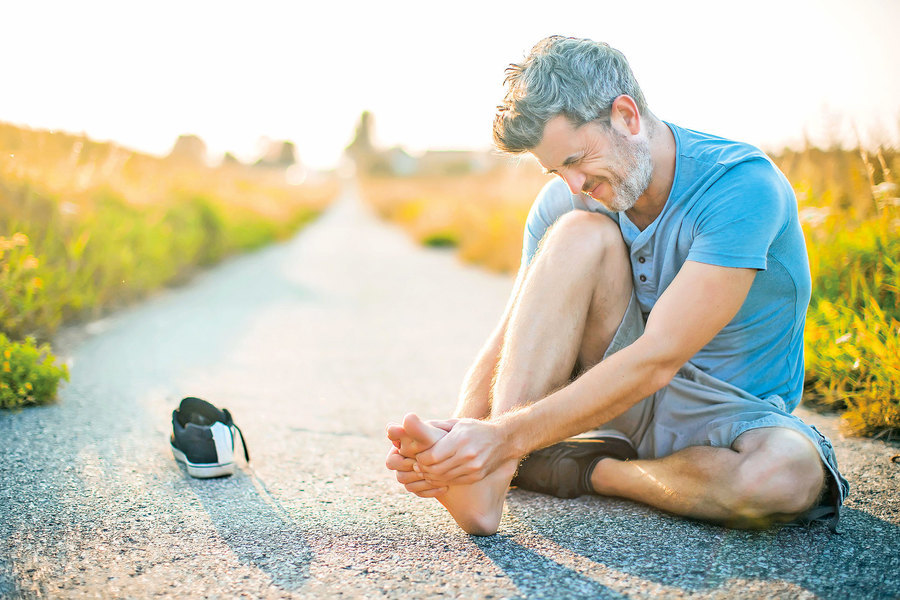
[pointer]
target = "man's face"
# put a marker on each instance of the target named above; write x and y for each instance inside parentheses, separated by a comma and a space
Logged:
(596, 161)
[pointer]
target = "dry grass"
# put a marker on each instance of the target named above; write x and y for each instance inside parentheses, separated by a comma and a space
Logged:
(482, 214)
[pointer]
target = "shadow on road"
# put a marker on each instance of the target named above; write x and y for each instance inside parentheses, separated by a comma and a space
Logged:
(698, 557)
(256, 527)
(538, 576)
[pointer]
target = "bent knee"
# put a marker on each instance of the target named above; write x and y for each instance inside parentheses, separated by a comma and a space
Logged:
(781, 477)
(583, 233)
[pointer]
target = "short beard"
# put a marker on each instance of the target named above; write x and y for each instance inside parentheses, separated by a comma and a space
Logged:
(631, 171)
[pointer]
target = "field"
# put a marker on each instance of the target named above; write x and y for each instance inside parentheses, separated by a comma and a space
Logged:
(86, 227)
(849, 209)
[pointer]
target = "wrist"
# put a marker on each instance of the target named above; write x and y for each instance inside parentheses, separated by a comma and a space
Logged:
(509, 429)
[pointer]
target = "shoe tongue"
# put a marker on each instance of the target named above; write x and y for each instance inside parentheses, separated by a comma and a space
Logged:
(198, 419)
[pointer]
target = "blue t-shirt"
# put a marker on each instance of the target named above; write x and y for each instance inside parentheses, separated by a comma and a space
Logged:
(729, 206)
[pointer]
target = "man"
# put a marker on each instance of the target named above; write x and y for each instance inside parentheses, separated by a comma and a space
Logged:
(662, 296)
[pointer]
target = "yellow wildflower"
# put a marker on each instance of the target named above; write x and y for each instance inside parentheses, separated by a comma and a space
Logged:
(6, 244)
(7, 354)
(37, 282)
(20, 239)
(6, 368)
(30, 262)
(28, 386)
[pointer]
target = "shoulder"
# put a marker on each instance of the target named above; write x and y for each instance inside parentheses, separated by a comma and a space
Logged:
(754, 177)
(705, 148)
(713, 168)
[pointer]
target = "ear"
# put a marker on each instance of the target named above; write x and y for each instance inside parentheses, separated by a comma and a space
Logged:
(624, 115)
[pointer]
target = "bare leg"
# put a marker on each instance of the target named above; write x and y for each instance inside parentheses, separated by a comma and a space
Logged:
(770, 475)
(573, 300)
(571, 303)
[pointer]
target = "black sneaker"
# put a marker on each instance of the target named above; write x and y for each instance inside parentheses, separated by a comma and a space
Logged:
(203, 438)
(564, 469)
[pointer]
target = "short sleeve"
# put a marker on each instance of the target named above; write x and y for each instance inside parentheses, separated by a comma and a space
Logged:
(743, 212)
(553, 201)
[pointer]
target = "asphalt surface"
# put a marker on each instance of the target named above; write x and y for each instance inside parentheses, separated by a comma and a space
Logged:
(314, 345)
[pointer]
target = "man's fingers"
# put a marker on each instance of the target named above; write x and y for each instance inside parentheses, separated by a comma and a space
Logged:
(405, 477)
(432, 493)
(440, 452)
(397, 462)
(446, 424)
(439, 469)
(424, 489)
(458, 476)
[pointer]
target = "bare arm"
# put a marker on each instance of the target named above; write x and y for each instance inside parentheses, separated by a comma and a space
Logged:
(696, 306)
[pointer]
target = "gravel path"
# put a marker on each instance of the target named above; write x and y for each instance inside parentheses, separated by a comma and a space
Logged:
(314, 345)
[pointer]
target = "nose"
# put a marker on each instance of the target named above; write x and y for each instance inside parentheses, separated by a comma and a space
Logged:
(574, 179)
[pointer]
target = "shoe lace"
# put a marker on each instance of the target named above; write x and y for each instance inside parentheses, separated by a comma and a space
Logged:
(230, 422)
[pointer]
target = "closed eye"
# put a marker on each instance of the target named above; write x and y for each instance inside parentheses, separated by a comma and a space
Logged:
(572, 160)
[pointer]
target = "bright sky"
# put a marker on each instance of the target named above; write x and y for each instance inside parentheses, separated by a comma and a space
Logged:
(141, 73)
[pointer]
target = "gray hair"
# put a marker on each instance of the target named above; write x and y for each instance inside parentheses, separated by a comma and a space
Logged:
(577, 78)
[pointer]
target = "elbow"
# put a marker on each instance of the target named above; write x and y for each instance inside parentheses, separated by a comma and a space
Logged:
(662, 362)
(661, 376)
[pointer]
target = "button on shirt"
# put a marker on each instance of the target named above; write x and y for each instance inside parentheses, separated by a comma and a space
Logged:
(729, 206)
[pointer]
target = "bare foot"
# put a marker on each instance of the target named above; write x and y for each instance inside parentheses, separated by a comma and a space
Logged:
(402, 457)
(414, 435)
(477, 508)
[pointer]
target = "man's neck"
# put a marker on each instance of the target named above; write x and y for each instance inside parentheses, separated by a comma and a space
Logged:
(662, 152)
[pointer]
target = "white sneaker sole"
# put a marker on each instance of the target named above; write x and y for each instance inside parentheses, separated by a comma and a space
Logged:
(203, 470)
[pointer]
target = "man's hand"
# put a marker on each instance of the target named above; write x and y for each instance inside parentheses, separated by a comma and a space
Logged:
(401, 458)
(471, 451)
(412, 481)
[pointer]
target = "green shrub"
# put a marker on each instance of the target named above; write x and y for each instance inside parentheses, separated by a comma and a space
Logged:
(28, 373)
(853, 324)
(441, 239)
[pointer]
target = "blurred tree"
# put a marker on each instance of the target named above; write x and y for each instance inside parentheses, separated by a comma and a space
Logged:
(279, 155)
(362, 149)
(189, 149)
(287, 155)
(230, 159)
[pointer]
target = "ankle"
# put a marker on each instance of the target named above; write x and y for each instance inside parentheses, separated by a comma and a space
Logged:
(604, 473)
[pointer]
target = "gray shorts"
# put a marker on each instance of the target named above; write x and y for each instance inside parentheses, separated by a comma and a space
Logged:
(696, 409)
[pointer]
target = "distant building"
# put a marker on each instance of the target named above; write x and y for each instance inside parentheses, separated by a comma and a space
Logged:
(455, 162)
